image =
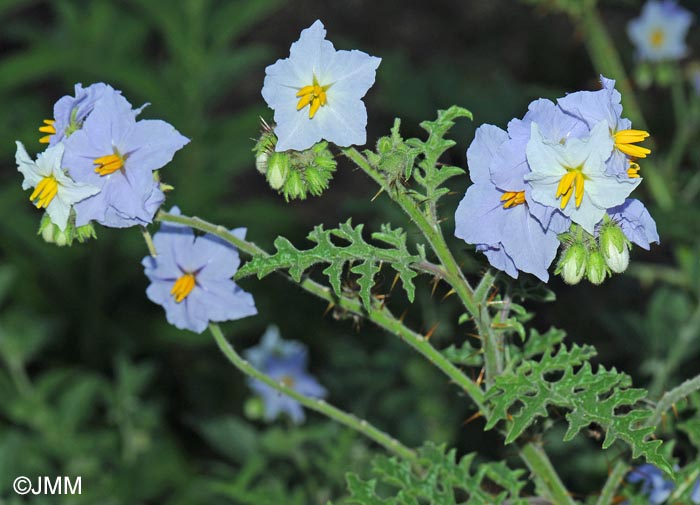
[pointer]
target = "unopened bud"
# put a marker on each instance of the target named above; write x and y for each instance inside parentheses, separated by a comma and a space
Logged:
(277, 169)
(596, 268)
(615, 247)
(572, 265)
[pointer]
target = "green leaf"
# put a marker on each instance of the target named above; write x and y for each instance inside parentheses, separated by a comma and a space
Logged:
(564, 379)
(366, 259)
(441, 479)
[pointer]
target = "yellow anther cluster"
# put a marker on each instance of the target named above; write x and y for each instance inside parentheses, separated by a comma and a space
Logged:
(44, 192)
(183, 287)
(47, 128)
(512, 198)
(313, 95)
(572, 183)
(109, 164)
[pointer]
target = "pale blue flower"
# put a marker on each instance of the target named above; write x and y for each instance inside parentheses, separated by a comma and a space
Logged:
(636, 223)
(317, 92)
(70, 112)
(191, 277)
(499, 219)
(659, 32)
(54, 190)
(286, 362)
(695, 495)
(118, 154)
(653, 483)
(592, 107)
(573, 177)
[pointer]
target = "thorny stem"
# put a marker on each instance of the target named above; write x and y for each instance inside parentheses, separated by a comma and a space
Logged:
(537, 461)
(429, 226)
(321, 406)
(614, 479)
(670, 397)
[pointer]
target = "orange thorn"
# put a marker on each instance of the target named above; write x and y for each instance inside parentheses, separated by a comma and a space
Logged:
(377, 195)
(393, 284)
(480, 379)
(492, 296)
(448, 294)
(474, 335)
(403, 316)
(328, 309)
(431, 331)
(435, 283)
(675, 411)
(471, 418)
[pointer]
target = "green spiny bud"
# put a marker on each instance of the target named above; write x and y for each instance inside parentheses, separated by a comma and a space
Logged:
(294, 187)
(596, 269)
(614, 246)
(54, 235)
(85, 232)
(278, 165)
(572, 263)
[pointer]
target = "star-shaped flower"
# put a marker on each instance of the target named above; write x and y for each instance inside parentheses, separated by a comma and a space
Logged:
(118, 154)
(191, 278)
(317, 92)
(573, 175)
(53, 189)
(659, 32)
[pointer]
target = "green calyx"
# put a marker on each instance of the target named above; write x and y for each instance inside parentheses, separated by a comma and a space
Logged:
(53, 234)
(614, 246)
(294, 174)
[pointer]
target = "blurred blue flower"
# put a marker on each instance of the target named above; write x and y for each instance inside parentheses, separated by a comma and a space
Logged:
(695, 495)
(495, 214)
(70, 112)
(636, 222)
(191, 278)
(653, 483)
(317, 92)
(118, 154)
(54, 190)
(576, 169)
(286, 362)
(659, 32)
(592, 107)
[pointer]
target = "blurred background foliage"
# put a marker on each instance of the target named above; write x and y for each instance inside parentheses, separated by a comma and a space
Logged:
(93, 380)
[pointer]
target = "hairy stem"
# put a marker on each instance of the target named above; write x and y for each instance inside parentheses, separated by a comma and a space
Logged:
(493, 361)
(670, 397)
(607, 494)
(321, 406)
(539, 464)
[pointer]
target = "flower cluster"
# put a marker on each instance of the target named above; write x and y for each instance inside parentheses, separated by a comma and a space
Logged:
(286, 362)
(563, 173)
(191, 277)
(100, 162)
(655, 487)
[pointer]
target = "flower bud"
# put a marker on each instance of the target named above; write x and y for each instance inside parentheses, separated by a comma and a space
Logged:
(615, 247)
(261, 162)
(596, 269)
(277, 169)
(53, 234)
(294, 187)
(572, 263)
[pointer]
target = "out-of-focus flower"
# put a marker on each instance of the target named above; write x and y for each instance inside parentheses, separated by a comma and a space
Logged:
(53, 189)
(191, 278)
(573, 175)
(695, 495)
(317, 92)
(70, 112)
(653, 483)
(286, 362)
(636, 223)
(118, 154)
(659, 32)
(499, 218)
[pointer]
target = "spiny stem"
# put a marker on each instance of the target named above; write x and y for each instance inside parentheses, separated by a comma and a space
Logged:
(670, 397)
(493, 362)
(610, 488)
(537, 461)
(380, 316)
(321, 406)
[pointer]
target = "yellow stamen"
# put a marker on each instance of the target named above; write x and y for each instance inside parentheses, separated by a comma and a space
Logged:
(288, 381)
(47, 128)
(657, 37)
(183, 287)
(44, 192)
(313, 95)
(572, 183)
(109, 164)
(632, 171)
(512, 198)
(624, 140)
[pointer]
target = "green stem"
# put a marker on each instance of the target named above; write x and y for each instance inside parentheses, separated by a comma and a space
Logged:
(610, 488)
(379, 316)
(493, 362)
(149, 241)
(321, 406)
(677, 354)
(539, 464)
(607, 61)
(671, 397)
